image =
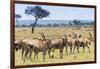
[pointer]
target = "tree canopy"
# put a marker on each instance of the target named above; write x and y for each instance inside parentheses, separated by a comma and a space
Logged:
(76, 22)
(18, 16)
(37, 12)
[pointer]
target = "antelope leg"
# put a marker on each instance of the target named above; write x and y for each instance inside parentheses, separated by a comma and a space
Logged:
(22, 53)
(88, 48)
(70, 50)
(37, 55)
(74, 49)
(44, 56)
(83, 48)
(26, 54)
(61, 53)
(49, 53)
(30, 55)
(66, 49)
(78, 49)
(34, 55)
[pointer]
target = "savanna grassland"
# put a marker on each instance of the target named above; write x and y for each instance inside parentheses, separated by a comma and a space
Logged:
(52, 33)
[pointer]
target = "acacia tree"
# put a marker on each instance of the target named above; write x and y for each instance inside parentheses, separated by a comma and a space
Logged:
(76, 22)
(37, 12)
(17, 16)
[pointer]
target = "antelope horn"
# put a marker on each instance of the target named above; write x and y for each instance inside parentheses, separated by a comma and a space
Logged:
(65, 34)
(43, 35)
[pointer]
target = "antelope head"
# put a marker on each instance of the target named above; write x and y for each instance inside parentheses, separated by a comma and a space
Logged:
(18, 46)
(80, 36)
(74, 35)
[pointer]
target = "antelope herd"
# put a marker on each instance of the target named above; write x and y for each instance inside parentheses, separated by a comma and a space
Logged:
(44, 45)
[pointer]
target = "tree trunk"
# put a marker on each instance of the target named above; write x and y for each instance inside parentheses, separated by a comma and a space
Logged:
(16, 22)
(34, 26)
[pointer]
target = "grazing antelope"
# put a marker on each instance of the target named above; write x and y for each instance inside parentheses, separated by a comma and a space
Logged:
(75, 42)
(16, 45)
(69, 43)
(84, 42)
(38, 45)
(25, 49)
(81, 42)
(59, 43)
(21, 44)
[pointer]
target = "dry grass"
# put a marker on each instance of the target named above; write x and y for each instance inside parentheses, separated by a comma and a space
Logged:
(52, 33)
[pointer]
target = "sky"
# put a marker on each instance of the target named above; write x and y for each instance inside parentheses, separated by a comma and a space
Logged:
(58, 12)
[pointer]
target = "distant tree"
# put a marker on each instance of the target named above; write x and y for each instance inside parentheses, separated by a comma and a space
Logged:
(92, 23)
(70, 23)
(55, 25)
(24, 25)
(37, 12)
(76, 22)
(17, 16)
(49, 25)
(30, 25)
(63, 24)
(41, 25)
